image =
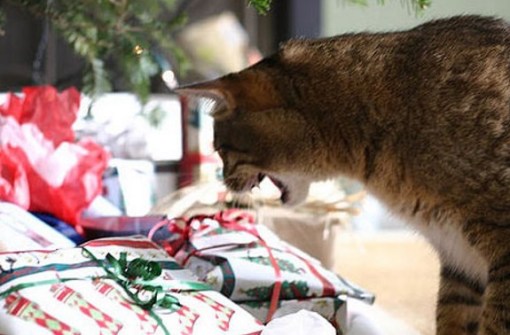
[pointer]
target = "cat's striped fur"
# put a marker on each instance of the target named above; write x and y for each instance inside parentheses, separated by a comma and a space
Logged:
(421, 117)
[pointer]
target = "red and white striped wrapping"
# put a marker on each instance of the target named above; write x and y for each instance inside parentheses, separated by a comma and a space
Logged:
(45, 301)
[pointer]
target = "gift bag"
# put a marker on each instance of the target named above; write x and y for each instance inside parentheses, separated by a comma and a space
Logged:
(23, 231)
(333, 309)
(42, 168)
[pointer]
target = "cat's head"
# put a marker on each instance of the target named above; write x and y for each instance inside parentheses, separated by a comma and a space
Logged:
(259, 132)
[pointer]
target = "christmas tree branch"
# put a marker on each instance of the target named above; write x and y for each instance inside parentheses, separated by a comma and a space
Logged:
(127, 32)
(120, 30)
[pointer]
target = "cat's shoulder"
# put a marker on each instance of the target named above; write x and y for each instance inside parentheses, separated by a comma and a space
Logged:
(465, 31)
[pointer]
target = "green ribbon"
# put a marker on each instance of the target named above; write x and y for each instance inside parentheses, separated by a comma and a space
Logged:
(126, 274)
(137, 277)
(22, 286)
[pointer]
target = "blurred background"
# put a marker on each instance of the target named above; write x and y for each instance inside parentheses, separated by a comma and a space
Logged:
(127, 57)
(207, 39)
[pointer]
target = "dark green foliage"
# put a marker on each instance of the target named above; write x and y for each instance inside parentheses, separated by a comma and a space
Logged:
(262, 6)
(123, 31)
(126, 32)
(418, 6)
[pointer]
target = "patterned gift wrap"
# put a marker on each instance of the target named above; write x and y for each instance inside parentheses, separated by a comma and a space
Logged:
(111, 287)
(249, 264)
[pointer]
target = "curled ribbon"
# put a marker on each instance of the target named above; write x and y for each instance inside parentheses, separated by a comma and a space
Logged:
(126, 275)
(230, 219)
(178, 226)
(233, 219)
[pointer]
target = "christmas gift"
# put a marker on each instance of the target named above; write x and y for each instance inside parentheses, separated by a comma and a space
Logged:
(249, 264)
(110, 226)
(311, 226)
(311, 232)
(23, 231)
(111, 286)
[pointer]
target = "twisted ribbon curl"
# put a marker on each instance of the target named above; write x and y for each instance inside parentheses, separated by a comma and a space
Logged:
(231, 219)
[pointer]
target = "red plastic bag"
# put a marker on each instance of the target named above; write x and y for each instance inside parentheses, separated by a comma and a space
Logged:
(41, 167)
(52, 112)
(13, 180)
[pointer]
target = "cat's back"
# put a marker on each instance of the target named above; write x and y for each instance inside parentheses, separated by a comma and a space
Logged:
(437, 96)
(452, 35)
(465, 25)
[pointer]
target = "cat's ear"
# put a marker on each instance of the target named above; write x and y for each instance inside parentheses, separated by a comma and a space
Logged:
(215, 90)
(209, 89)
(249, 90)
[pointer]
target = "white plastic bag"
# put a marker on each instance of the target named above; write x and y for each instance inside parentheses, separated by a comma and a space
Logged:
(301, 323)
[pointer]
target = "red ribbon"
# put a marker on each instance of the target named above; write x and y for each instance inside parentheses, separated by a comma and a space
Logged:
(239, 221)
(173, 227)
(232, 219)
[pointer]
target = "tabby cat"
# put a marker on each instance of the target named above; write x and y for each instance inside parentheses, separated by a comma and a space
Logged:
(421, 117)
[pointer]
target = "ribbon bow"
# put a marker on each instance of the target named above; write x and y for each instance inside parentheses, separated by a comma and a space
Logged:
(231, 219)
(133, 276)
(136, 277)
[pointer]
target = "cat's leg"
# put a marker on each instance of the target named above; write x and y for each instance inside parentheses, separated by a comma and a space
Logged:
(463, 279)
(459, 305)
(496, 314)
(492, 240)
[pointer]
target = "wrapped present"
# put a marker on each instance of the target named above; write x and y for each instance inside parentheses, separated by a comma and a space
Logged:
(129, 185)
(200, 162)
(311, 232)
(115, 226)
(111, 286)
(21, 231)
(249, 264)
(311, 226)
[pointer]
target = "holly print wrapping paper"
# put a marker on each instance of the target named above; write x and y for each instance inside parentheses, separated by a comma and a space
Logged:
(252, 266)
(246, 261)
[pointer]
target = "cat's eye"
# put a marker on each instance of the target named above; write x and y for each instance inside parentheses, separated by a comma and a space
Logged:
(219, 109)
(221, 150)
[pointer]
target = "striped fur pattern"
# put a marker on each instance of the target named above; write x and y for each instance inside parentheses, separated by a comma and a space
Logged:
(421, 117)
